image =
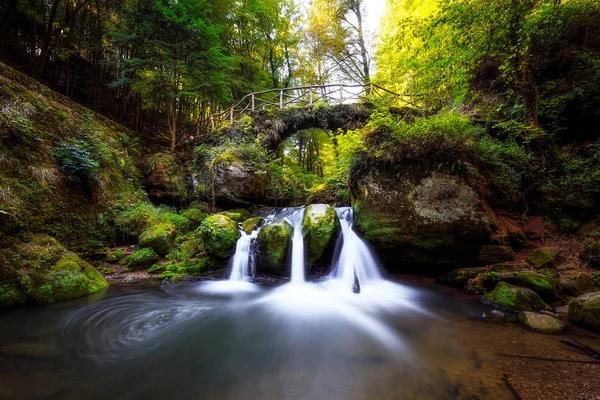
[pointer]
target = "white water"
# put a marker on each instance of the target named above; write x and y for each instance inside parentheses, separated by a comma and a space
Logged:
(355, 258)
(297, 247)
(242, 259)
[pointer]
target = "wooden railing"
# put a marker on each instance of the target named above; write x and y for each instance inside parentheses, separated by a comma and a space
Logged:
(296, 96)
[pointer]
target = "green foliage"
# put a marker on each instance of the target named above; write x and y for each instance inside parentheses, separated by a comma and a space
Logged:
(141, 258)
(134, 218)
(220, 235)
(77, 163)
(173, 270)
(115, 256)
(592, 251)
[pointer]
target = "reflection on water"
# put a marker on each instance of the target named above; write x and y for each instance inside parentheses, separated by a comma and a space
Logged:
(220, 340)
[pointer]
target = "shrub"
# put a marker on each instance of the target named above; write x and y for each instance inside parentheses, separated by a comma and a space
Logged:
(77, 164)
(141, 258)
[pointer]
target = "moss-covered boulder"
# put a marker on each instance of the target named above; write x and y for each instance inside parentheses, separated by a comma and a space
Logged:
(219, 235)
(495, 254)
(195, 216)
(160, 238)
(421, 220)
(514, 298)
(252, 224)
(460, 277)
(238, 214)
(273, 244)
(541, 323)
(42, 271)
(164, 178)
(319, 226)
(585, 310)
(143, 258)
(543, 257)
(544, 285)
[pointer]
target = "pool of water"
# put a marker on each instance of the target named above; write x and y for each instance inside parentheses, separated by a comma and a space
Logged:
(409, 339)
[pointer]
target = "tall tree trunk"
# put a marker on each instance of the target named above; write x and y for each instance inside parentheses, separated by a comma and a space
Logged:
(361, 42)
(6, 22)
(48, 37)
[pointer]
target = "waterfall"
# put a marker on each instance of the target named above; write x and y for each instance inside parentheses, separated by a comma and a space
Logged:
(297, 246)
(243, 257)
(354, 263)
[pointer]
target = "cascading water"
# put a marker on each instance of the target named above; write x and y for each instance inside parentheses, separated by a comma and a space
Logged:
(297, 247)
(243, 257)
(354, 261)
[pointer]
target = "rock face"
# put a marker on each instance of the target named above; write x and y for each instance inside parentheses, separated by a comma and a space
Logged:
(42, 271)
(514, 298)
(495, 254)
(542, 323)
(159, 238)
(544, 257)
(164, 178)
(319, 226)
(220, 235)
(422, 219)
(585, 310)
(235, 184)
(273, 244)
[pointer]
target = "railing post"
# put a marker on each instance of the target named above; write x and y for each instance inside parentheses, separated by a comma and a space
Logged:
(281, 99)
(212, 123)
(231, 116)
(252, 101)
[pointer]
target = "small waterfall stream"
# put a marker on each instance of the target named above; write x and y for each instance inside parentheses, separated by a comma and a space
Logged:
(354, 261)
(243, 259)
(297, 247)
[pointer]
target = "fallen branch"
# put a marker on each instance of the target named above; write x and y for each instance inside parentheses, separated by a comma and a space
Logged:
(590, 351)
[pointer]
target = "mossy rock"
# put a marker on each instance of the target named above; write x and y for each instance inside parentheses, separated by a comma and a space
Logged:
(544, 285)
(160, 238)
(514, 298)
(115, 256)
(543, 257)
(591, 252)
(142, 258)
(189, 247)
(242, 212)
(42, 271)
(195, 217)
(585, 310)
(319, 226)
(252, 224)
(541, 323)
(220, 235)
(273, 244)
(495, 254)
(460, 277)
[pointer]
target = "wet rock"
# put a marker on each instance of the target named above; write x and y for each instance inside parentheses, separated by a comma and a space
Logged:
(356, 285)
(496, 316)
(319, 226)
(508, 267)
(495, 254)
(460, 277)
(160, 238)
(541, 323)
(251, 224)
(542, 284)
(220, 235)
(421, 219)
(514, 298)
(543, 257)
(237, 215)
(585, 310)
(272, 251)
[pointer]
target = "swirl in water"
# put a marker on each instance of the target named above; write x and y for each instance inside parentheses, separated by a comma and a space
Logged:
(127, 327)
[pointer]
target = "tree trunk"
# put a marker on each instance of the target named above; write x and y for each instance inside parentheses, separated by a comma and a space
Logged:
(48, 37)
(6, 22)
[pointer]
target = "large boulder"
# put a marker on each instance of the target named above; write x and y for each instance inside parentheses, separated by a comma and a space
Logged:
(273, 245)
(164, 178)
(585, 310)
(543, 257)
(42, 271)
(495, 254)
(425, 220)
(252, 224)
(236, 184)
(220, 235)
(542, 323)
(319, 226)
(159, 237)
(544, 285)
(514, 298)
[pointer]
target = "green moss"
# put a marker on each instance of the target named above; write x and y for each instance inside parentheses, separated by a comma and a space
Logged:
(240, 214)
(174, 270)
(220, 235)
(495, 254)
(543, 285)
(108, 271)
(543, 257)
(585, 310)
(273, 241)
(160, 238)
(252, 224)
(319, 225)
(11, 296)
(592, 251)
(515, 298)
(115, 256)
(460, 277)
(194, 216)
(188, 247)
(142, 258)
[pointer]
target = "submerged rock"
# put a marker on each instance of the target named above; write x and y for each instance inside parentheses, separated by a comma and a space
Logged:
(585, 310)
(495, 254)
(220, 235)
(319, 226)
(356, 285)
(543, 323)
(514, 298)
(496, 316)
(543, 257)
(421, 219)
(273, 244)
(42, 271)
